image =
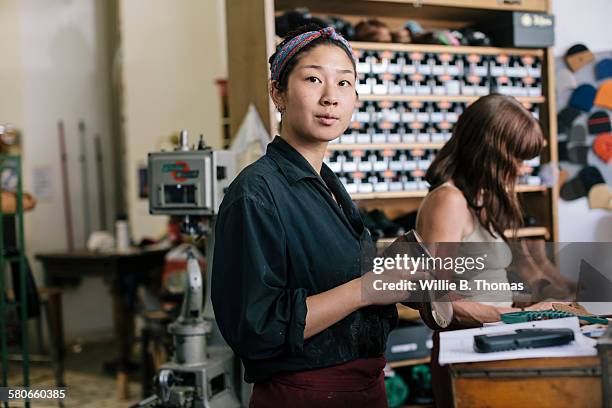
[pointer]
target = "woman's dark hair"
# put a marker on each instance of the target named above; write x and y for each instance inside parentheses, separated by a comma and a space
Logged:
(490, 140)
(284, 75)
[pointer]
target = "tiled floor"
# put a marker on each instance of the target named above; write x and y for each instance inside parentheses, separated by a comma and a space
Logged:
(88, 385)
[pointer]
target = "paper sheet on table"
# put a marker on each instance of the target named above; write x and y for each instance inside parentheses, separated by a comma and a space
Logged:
(458, 346)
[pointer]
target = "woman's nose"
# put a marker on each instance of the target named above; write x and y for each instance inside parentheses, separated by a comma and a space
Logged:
(329, 100)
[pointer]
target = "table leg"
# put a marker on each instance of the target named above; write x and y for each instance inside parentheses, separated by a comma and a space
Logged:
(56, 330)
(123, 321)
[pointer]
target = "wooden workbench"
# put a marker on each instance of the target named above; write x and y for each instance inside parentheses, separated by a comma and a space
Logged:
(541, 382)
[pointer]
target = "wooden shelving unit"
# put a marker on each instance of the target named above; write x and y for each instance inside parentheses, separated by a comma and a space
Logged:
(248, 70)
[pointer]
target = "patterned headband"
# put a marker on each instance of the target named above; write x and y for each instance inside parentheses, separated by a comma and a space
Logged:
(291, 48)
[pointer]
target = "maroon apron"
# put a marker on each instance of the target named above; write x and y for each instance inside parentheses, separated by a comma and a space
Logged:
(358, 383)
(441, 383)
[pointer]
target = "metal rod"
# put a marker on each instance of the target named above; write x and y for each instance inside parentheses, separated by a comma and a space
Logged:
(3, 339)
(84, 181)
(66, 186)
(101, 186)
(23, 271)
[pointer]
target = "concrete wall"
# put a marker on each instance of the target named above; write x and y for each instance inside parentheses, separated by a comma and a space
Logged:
(171, 57)
(54, 67)
(584, 21)
(588, 24)
(11, 102)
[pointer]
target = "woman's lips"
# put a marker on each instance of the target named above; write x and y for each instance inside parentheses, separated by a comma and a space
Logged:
(327, 120)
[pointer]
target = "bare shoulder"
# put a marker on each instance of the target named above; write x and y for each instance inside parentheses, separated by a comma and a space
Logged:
(444, 215)
(447, 197)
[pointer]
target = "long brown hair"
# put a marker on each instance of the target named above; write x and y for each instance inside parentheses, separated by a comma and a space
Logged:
(483, 157)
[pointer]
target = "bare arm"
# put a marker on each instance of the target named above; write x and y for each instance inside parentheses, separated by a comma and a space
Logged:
(327, 308)
(435, 225)
(9, 202)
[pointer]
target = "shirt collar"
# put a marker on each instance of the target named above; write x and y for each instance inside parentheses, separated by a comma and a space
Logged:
(292, 164)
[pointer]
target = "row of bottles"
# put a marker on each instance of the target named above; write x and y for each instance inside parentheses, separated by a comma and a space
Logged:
(382, 170)
(447, 85)
(380, 160)
(408, 63)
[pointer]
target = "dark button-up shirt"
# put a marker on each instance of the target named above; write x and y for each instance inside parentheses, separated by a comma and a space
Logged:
(281, 237)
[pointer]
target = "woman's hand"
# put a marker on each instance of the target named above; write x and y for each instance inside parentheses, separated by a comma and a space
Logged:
(544, 306)
(29, 202)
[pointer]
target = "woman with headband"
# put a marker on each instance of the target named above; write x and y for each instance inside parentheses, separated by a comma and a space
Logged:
(287, 282)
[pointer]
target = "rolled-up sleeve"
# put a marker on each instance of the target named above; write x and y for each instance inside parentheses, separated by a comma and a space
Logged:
(258, 314)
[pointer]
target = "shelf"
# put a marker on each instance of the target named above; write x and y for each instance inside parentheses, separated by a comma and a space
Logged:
(382, 146)
(408, 363)
(374, 46)
(423, 193)
(525, 5)
(435, 98)
(386, 195)
(529, 232)
(530, 189)
(431, 13)
(521, 233)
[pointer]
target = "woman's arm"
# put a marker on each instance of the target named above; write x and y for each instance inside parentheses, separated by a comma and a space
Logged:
(327, 308)
(9, 202)
(435, 225)
(468, 313)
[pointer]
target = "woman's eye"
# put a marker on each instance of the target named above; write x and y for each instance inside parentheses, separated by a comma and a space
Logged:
(344, 82)
(313, 79)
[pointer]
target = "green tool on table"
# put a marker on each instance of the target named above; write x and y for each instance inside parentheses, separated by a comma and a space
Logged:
(529, 316)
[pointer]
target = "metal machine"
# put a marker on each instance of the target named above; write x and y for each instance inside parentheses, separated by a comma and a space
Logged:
(190, 182)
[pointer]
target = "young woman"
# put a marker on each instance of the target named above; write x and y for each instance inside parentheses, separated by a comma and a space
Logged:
(287, 282)
(474, 178)
(472, 202)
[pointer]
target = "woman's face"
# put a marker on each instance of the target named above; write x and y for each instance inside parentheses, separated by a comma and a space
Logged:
(320, 95)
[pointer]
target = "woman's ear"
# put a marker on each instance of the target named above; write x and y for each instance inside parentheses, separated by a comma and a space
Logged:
(277, 95)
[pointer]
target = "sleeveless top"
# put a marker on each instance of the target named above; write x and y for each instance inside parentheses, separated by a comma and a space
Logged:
(499, 257)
